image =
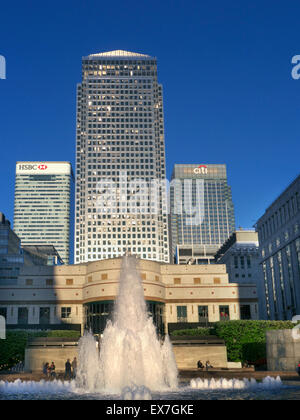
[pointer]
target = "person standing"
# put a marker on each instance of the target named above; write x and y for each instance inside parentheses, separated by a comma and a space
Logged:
(74, 367)
(68, 370)
(298, 368)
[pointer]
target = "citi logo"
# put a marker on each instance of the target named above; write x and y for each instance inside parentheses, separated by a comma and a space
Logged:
(202, 169)
(42, 167)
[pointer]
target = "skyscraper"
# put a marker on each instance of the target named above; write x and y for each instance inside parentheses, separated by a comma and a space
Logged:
(202, 214)
(43, 193)
(120, 152)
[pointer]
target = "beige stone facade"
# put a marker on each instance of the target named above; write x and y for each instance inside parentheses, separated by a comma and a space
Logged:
(60, 293)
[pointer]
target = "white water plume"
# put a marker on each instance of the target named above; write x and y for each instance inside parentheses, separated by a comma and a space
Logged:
(131, 355)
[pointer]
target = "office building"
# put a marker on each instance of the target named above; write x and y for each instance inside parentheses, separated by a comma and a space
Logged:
(240, 254)
(11, 258)
(42, 215)
(120, 154)
(279, 243)
(202, 214)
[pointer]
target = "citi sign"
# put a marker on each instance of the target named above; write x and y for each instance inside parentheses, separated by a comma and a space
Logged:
(202, 169)
(36, 167)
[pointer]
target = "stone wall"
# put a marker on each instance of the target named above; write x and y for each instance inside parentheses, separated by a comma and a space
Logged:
(36, 357)
(283, 351)
(187, 356)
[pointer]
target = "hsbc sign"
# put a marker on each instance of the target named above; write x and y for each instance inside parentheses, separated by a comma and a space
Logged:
(202, 169)
(49, 168)
(26, 167)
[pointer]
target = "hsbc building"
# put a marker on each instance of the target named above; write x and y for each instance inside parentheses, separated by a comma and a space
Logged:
(43, 196)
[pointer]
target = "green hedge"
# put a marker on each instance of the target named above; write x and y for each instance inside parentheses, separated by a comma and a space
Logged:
(12, 349)
(245, 340)
(192, 332)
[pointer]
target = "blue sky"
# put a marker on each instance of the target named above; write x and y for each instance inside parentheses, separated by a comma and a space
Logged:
(225, 67)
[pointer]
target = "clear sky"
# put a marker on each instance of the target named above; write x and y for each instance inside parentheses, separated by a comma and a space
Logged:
(225, 67)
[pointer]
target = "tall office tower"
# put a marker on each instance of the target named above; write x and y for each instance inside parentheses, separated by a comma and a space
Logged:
(43, 194)
(120, 152)
(202, 214)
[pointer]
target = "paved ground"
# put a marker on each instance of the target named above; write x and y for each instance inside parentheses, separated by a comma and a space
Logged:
(184, 375)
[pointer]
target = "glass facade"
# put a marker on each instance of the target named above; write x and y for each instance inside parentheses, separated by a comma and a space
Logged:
(120, 139)
(42, 215)
(98, 313)
(202, 214)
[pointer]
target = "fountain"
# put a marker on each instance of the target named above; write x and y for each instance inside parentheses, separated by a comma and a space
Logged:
(133, 362)
(131, 355)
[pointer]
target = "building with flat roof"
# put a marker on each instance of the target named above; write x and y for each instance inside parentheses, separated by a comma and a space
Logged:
(43, 196)
(82, 296)
(240, 254)
(201, 212)
(120, 153)
(279, 244)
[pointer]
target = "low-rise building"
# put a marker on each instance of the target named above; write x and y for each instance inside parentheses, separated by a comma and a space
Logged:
(240, 254)
(82, 296)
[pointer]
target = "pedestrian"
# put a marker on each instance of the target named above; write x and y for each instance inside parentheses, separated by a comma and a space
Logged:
(74, 367)
(298, 368)
(200, 365)
(45, 369)
(52, 371)
(208, 365)
(68, 370)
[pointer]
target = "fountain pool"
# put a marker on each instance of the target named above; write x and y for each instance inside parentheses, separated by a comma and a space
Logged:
(134, 364)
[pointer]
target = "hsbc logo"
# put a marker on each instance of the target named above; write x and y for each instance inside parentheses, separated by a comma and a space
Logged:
(202, 169)
(27, 167)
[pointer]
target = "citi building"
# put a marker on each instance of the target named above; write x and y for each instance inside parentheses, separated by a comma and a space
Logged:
(42, 213)
(202, 214)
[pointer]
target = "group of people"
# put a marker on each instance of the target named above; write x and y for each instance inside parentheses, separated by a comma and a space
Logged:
(201, 366)
(70, 369)
(49, 370)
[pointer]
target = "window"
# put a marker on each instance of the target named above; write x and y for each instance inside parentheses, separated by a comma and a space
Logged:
(224, 313)
(203, 314)
(22, 315)
(143, 276)
(197, 280)
(66, 312)
(217, 280)
(49, 282)
(104, 276)
(245, 312)
(181, 314)
(69, 282)
(45, 315)
(177, 281)
(29, 282)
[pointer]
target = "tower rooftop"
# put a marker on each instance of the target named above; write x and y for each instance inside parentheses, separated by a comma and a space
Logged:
(118, 53)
